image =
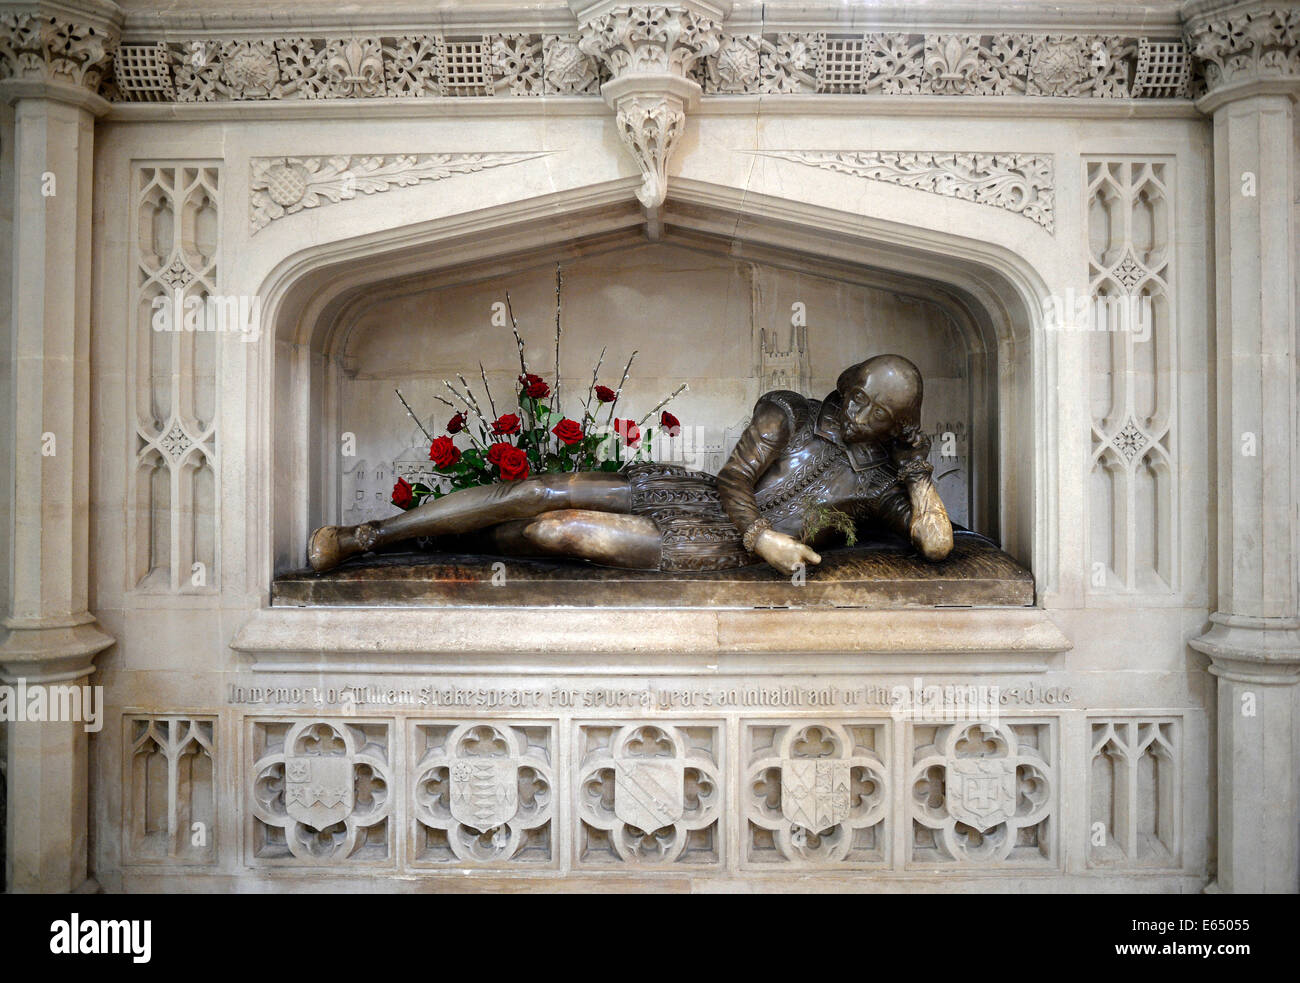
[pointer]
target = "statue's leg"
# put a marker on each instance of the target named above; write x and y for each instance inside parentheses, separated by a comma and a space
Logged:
(917, 512)
(470, 509)
(631, 542)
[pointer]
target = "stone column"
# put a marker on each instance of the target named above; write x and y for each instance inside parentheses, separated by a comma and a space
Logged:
(1249, 54)
(51, 59)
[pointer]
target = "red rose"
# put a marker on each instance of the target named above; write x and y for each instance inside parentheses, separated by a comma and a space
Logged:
(569, 431)
(605, 394)
(629, 431)
(443, 453)
(505, 425)
(534, 386)
(456, 424)
(403, 494)
(513, 463)
(670, 423)
(497, 451)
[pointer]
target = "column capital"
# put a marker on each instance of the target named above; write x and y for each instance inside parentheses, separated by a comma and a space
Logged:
(1244, 47)
(58, 49)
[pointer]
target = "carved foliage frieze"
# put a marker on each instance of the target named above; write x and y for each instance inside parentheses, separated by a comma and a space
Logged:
(816, 793)
(52, 49)
(483, 793)
(281, 186)
(657, 39)
(1020, 183)
(983, 793)
(649, 793)
(320, 791)
(1256, 41)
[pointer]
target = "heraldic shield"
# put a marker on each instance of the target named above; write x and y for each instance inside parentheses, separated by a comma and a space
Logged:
(815, 794)
(981, 792)
(318, 789)
(648, 794)
(484, 792)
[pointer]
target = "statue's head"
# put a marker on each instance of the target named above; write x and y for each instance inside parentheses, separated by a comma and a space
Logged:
(880, 398)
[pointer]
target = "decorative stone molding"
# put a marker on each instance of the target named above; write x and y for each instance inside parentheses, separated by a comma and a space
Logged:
(282, 186)
(687, 45)
(41, 45)
(1020, 183)
(651, 50)
(1245, 42)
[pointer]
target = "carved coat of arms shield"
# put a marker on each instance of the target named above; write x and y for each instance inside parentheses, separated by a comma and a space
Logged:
(318, 789)
(815, 794)
(981, 792)
(648, 794)
(485, 792)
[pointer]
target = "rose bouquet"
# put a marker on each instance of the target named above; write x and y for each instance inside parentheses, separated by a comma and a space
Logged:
(535, 436)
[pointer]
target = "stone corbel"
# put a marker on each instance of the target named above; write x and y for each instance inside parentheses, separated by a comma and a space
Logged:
(649, 50)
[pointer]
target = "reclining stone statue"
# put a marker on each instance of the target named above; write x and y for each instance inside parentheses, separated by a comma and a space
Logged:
(860, 451)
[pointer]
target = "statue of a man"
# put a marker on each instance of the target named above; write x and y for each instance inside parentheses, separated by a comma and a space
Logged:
(860, 451)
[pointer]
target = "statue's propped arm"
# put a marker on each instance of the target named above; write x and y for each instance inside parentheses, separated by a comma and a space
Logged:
(759, 446)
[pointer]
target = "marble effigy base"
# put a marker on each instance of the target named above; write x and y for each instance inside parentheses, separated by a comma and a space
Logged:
(880, 574)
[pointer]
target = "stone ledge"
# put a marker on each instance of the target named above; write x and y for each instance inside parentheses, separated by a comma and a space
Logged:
(636, 641)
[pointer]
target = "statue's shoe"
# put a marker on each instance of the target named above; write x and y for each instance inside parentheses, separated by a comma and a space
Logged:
(324, 552)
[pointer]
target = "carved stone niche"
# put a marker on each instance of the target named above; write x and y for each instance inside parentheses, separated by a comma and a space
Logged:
(650, 50)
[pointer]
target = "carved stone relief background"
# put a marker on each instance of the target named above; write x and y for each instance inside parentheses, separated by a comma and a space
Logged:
(532, 64)
(321, 791)
(1134, 776)
(649, 793)
(171, 812)
(817, 792)
(483, 793)
(173, 526)
(1131, 319)
(984, 793)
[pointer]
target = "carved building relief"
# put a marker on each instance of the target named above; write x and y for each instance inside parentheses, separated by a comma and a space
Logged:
(1020, 183)
(170, 809)
(281, 186)
(649, 794)
(1135, 792)
(983, 793)
(483, 793)
(817, 793)
(179, 325)
(1133, 484)
(321, 791)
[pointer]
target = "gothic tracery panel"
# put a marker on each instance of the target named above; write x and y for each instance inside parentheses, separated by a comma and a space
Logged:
(320, 791)
(1133, 491)
(983, 793)
(649, 793)
(1134, 792)
(178, 319)
(484, 793)
(816, 792)
(171, 782)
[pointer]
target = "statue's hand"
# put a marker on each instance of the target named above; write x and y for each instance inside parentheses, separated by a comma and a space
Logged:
(784, 552)
(931, 528)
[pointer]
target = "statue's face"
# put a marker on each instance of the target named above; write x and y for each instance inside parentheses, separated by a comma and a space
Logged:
(863, 416)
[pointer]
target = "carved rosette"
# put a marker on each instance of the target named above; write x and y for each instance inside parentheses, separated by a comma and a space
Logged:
(651, 51)
(41, 46)
(1252, 42)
